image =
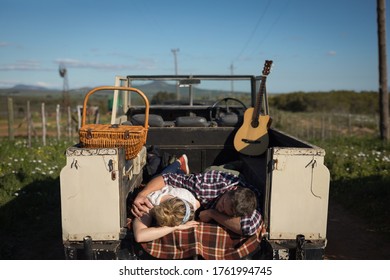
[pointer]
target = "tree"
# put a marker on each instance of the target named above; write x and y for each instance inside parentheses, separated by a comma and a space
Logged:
(383, 90)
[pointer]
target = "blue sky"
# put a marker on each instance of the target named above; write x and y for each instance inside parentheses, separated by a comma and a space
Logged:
(315, 45)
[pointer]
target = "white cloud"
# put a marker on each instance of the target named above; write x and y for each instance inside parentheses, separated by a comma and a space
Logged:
(4, 44)
(33, 65)
(331, 53)
(141, 64)
(43, 84)
(24, 65)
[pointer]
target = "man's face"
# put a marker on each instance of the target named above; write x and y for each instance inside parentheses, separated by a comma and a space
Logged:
(225, 205)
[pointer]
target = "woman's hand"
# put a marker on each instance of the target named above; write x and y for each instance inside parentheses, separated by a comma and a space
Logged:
(143, 232)
(141, 206)
(187, 225)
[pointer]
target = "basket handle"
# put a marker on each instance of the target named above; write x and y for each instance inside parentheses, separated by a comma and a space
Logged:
(83, 120)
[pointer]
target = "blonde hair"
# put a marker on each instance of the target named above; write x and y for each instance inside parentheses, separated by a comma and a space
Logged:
(171, 212)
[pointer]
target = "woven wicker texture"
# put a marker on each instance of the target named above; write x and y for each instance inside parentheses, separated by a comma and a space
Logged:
(131, 138)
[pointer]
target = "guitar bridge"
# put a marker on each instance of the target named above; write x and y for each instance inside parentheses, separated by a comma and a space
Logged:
(247, 141)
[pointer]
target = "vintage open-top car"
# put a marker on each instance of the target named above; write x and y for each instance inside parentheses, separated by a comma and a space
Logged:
(210, 118)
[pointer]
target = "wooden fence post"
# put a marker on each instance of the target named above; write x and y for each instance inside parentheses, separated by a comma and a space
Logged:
(11, 134)
(29, 126)
(323, 126)
(58, 118)
(69, 124)
(349, 124)
(43, 124)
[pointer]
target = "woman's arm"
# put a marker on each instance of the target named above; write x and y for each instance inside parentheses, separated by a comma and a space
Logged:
(143, 232)
(141, 204)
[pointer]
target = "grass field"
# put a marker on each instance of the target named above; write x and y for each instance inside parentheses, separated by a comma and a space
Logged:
(30, 216)
(30, 200)
(360, 177)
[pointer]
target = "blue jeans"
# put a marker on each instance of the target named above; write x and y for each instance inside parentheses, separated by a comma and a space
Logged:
(173, 168)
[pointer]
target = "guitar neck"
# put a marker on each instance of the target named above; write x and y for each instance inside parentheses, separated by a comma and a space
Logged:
(259, 100)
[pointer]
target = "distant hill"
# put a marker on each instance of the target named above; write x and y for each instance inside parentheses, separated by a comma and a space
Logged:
(161, 86)
(29, 87)
(155, 86)
(149, 88)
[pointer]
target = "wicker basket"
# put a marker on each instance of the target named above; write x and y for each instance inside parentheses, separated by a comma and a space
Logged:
(131, 138)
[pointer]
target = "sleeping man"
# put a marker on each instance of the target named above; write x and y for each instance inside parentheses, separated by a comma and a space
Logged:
(221, 197)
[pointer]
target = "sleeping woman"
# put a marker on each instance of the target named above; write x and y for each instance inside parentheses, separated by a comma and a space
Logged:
(174, 209)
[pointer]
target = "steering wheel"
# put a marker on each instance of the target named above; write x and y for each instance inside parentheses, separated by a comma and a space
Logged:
(227, 109)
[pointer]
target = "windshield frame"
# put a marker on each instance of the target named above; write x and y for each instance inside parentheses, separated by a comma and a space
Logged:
(189, 81)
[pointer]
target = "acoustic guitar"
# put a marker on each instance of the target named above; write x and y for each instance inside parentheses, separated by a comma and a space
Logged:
(252, 137)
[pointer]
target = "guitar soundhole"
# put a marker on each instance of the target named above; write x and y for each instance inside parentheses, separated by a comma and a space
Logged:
(255, 123)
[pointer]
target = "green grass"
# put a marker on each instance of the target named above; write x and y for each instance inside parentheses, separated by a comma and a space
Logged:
(30, 214)
(360, 178)
(22, 166)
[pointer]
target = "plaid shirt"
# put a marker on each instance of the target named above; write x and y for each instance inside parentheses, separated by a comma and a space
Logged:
(208, 186)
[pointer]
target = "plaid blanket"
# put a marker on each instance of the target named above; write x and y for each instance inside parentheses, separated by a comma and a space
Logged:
(210, 241)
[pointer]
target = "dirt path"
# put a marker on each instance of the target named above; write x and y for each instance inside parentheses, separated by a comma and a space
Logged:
(350, 239)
